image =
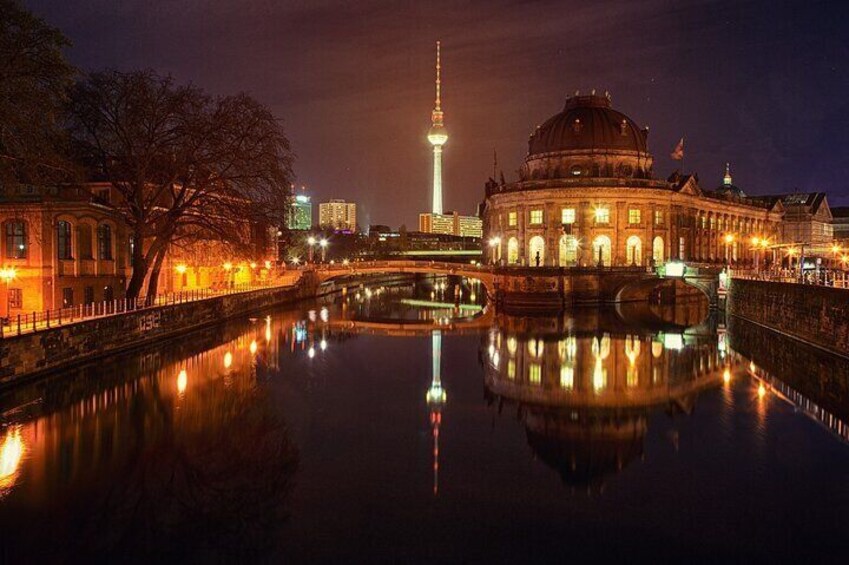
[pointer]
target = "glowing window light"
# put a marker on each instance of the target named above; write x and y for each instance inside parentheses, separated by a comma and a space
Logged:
(535, 373)
(567, 377)
(673, 341)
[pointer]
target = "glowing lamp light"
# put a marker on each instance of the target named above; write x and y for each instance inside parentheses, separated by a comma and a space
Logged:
(11, 453)
(228, 360)
(792, 251)
(494, 241)
(764, 243)
(8, 274)
(295, 260)
(835, 249)
(756, 241)
(729, 238)
(182, 381)
(253, 265)
(253, 347)
(311, 240)
(323, 243)
(726, 376)
(675, 269)
(228, 266)
(181, 268)
(344, 261)
(268, 264)
(761, 390)
(600, 213)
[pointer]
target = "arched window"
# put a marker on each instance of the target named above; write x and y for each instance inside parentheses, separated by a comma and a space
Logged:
(601, 251)
(634, 250)
(104, 242)
(512, 251)
(536, 250)
(657, 250)
(16, 239)
(568, 251)
(63, 240)
(85, 242)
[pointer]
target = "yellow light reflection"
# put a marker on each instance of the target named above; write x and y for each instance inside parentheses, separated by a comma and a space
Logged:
(11, 453)
(182, 381)
(228, 360)
(726, 376)
(761, 390)
(253, 347)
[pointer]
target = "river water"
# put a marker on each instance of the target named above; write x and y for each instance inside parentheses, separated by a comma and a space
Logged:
(352, 430)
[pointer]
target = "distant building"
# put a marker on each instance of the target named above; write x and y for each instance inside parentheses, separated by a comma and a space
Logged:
(300, 214)
(840, 222)
(451, 223)
(338, 214)
(806, 217)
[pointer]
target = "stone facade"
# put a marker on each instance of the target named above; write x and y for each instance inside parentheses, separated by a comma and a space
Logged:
(586, 197)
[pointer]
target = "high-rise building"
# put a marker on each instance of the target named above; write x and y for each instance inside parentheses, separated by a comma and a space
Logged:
(437, 136)
(338, 214)
(451, 223)
(300, 214)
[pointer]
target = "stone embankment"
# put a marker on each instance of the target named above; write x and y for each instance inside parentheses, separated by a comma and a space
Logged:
(817, 315)
(47, 350)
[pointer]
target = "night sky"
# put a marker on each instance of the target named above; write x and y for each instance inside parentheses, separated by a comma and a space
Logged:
(764, 85)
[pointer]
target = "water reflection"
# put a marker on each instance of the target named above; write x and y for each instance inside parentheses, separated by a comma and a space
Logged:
(584, 395)
(288, 435)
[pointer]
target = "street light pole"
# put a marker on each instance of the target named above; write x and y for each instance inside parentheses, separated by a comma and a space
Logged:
(311, 243)
(323, 244)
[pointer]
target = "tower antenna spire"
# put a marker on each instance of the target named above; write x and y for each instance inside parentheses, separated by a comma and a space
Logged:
(437, 137)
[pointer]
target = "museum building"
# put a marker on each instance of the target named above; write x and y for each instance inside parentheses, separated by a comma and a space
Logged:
(587, 196)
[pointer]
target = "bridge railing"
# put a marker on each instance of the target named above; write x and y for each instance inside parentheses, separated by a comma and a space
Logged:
(825, 277)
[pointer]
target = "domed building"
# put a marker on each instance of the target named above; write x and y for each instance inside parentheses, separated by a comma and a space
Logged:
(587, 196)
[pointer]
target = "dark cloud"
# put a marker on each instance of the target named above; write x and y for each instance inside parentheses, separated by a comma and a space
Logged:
(762, 84)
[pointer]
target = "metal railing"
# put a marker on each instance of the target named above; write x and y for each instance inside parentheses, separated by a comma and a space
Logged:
(824, 277)
(37, 321)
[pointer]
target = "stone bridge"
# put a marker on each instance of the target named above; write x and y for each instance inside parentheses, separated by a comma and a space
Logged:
(540, 288)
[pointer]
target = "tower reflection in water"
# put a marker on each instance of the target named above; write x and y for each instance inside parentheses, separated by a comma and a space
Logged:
(584, 388)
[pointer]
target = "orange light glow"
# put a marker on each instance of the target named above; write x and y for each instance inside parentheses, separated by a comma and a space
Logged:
(726, 376)
(761, 390)
(228, 360)
(253, 346)
(180, 268)
(182, 381)
(11, 453)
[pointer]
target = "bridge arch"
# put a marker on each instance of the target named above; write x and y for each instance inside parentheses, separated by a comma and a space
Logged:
(640, 289)
(331, 272)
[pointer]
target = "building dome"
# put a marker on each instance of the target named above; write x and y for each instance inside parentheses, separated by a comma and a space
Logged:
(588, 139)
(588, 122)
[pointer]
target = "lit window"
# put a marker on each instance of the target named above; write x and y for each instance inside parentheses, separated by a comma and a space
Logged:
(512, 219)
(634, 216)
(16, 298)
(658, 217)
(567, 215)
(511, 369)
(704, 222)
(536, 216)
(567, 377)
(535, 373)
(602, 215)
(16, 240)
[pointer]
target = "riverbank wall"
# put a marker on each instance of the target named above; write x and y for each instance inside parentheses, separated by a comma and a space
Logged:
(31, 354)
(816, 315)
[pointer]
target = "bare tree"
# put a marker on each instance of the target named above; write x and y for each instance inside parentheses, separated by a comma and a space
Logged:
(181, 161)
(34, 81)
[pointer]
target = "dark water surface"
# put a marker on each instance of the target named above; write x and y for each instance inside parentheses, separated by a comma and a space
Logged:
(352, 431)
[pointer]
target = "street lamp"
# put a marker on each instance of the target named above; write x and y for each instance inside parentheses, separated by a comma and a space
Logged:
(323, 244)
(494, 243)
(311, 243)
(8, 274)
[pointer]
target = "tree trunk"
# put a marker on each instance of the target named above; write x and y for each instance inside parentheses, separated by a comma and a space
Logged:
(139, 267)
(153, 283)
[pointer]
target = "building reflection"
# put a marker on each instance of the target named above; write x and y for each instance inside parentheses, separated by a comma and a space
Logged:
(584, 386)
(436, 398)
(147, 453)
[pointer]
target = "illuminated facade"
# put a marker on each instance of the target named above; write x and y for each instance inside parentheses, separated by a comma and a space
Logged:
(451, 223)
(437, 136)
(338, 215)
(61, 248)
(587, 196)
(300, 214)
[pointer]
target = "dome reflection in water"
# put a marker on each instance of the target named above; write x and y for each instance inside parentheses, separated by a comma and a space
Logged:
(407, 420)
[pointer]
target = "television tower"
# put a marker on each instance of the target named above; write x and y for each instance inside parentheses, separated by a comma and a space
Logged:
(437, 137)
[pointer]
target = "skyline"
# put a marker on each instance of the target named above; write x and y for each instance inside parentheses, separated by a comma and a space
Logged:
(352, 86)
